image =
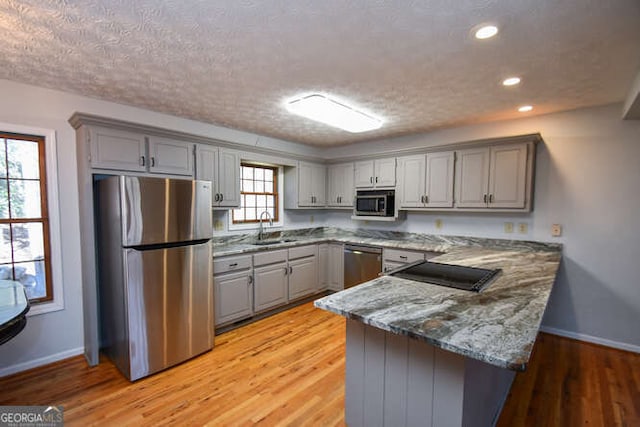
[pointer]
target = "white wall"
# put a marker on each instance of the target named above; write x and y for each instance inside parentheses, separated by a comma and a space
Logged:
(588, 180)
(57, 335)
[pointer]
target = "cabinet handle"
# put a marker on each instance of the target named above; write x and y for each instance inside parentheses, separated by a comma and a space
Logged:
(235, 264)
(422, 199)
(371, 179)
(485, 198)
(290, 270)
(426, 198)
(376, 179)
(286, 271)
(153, 161)
(221, 197)
(490, 198)
(402, 257)
(141, 160)
(215, 197)
(250, 279)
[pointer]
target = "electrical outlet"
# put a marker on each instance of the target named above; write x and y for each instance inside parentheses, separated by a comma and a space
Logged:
(523, 228)
(311, 219)
(438, 224)
(218, 225)
(556, 230)
(508, 227)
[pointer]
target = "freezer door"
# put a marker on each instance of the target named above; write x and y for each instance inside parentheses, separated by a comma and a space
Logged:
(170, 306)
(158, 210)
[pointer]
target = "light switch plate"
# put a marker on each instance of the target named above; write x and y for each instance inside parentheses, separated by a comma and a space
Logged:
(438, 224)
(523, 228)
(508, 227)
(556, 230)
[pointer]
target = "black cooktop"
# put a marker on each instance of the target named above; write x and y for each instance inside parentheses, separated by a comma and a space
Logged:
(453, 276)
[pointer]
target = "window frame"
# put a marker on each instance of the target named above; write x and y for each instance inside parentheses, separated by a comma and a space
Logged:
(44, 210)
(51, 186)
(276, 193)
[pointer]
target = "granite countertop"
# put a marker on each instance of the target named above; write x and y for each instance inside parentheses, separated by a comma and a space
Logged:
(498, 325)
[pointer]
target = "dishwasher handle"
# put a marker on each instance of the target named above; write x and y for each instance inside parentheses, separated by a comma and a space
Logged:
(362, 249)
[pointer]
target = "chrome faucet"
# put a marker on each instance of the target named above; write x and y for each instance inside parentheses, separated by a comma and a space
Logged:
(261, 230)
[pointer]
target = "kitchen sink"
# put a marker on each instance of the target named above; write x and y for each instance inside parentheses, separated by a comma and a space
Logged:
(271, 242)
(453, 276)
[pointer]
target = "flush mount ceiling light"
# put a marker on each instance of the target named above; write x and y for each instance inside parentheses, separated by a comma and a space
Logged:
(333, 113)
(486, 32)
(525, 108)
(511, 81)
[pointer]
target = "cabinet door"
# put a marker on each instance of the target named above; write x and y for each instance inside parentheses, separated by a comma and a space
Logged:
(115, 149)
(364, 174)
(228, 178)
(305, 184)
(340, 181)
(347, 191)
(507, 177)
(411, 178)
(270, 287)
(472, 178)
(336, 267)
(233, 297)
(303, 276)
(323, 266)
(168, 156)
(334, 179)
(206, 165)
(439, 180)
(385, 173)
(319, 185)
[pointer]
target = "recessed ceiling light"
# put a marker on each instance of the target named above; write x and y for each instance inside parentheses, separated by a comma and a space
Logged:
(486, 32)
(511, 81)
(333, 113)
(525, 108)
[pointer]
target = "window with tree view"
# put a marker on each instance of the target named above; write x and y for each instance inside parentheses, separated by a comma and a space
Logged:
(258, 193)
(24, 224)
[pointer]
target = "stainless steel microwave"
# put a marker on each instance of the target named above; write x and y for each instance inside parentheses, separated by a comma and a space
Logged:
(375, 203)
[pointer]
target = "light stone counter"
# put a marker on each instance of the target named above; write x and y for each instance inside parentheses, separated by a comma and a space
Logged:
(498, 325)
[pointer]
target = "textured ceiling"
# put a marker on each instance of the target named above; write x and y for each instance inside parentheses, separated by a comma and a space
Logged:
(413, 63)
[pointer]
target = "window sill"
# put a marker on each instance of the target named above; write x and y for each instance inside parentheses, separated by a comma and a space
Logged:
(45, 307)
(255, 226)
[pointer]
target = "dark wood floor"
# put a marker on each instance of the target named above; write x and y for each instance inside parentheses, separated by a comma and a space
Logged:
(289, 370)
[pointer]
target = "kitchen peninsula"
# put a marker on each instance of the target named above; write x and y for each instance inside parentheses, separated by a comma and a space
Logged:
(421, 354)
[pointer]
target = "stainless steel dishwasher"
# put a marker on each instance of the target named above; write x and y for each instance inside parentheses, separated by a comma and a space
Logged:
(361, 263)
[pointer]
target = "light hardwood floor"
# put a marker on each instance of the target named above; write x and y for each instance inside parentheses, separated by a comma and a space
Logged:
(289, 370)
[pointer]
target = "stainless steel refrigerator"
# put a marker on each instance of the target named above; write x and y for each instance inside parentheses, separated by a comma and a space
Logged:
(155, 271)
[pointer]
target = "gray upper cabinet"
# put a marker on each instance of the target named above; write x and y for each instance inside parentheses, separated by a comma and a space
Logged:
(426, 181)
(222, 167)
(375, 173)
(129, 151)
(496, 177)
(340, 190)
(305, 186)
(117, 149)
(169, 156)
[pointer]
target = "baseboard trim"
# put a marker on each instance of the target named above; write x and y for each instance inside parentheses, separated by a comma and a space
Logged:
(30, 364)
(590, 338)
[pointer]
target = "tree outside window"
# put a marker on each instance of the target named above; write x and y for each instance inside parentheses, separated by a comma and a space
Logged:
(24, 222)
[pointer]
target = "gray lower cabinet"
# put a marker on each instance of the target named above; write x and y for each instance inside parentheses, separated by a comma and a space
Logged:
(233, 297)
(303, 275)
(270, 287)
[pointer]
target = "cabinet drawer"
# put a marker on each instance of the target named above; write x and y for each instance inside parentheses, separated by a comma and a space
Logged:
(270, 257)
(234, 263)
(402, 256)
(302, 251)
